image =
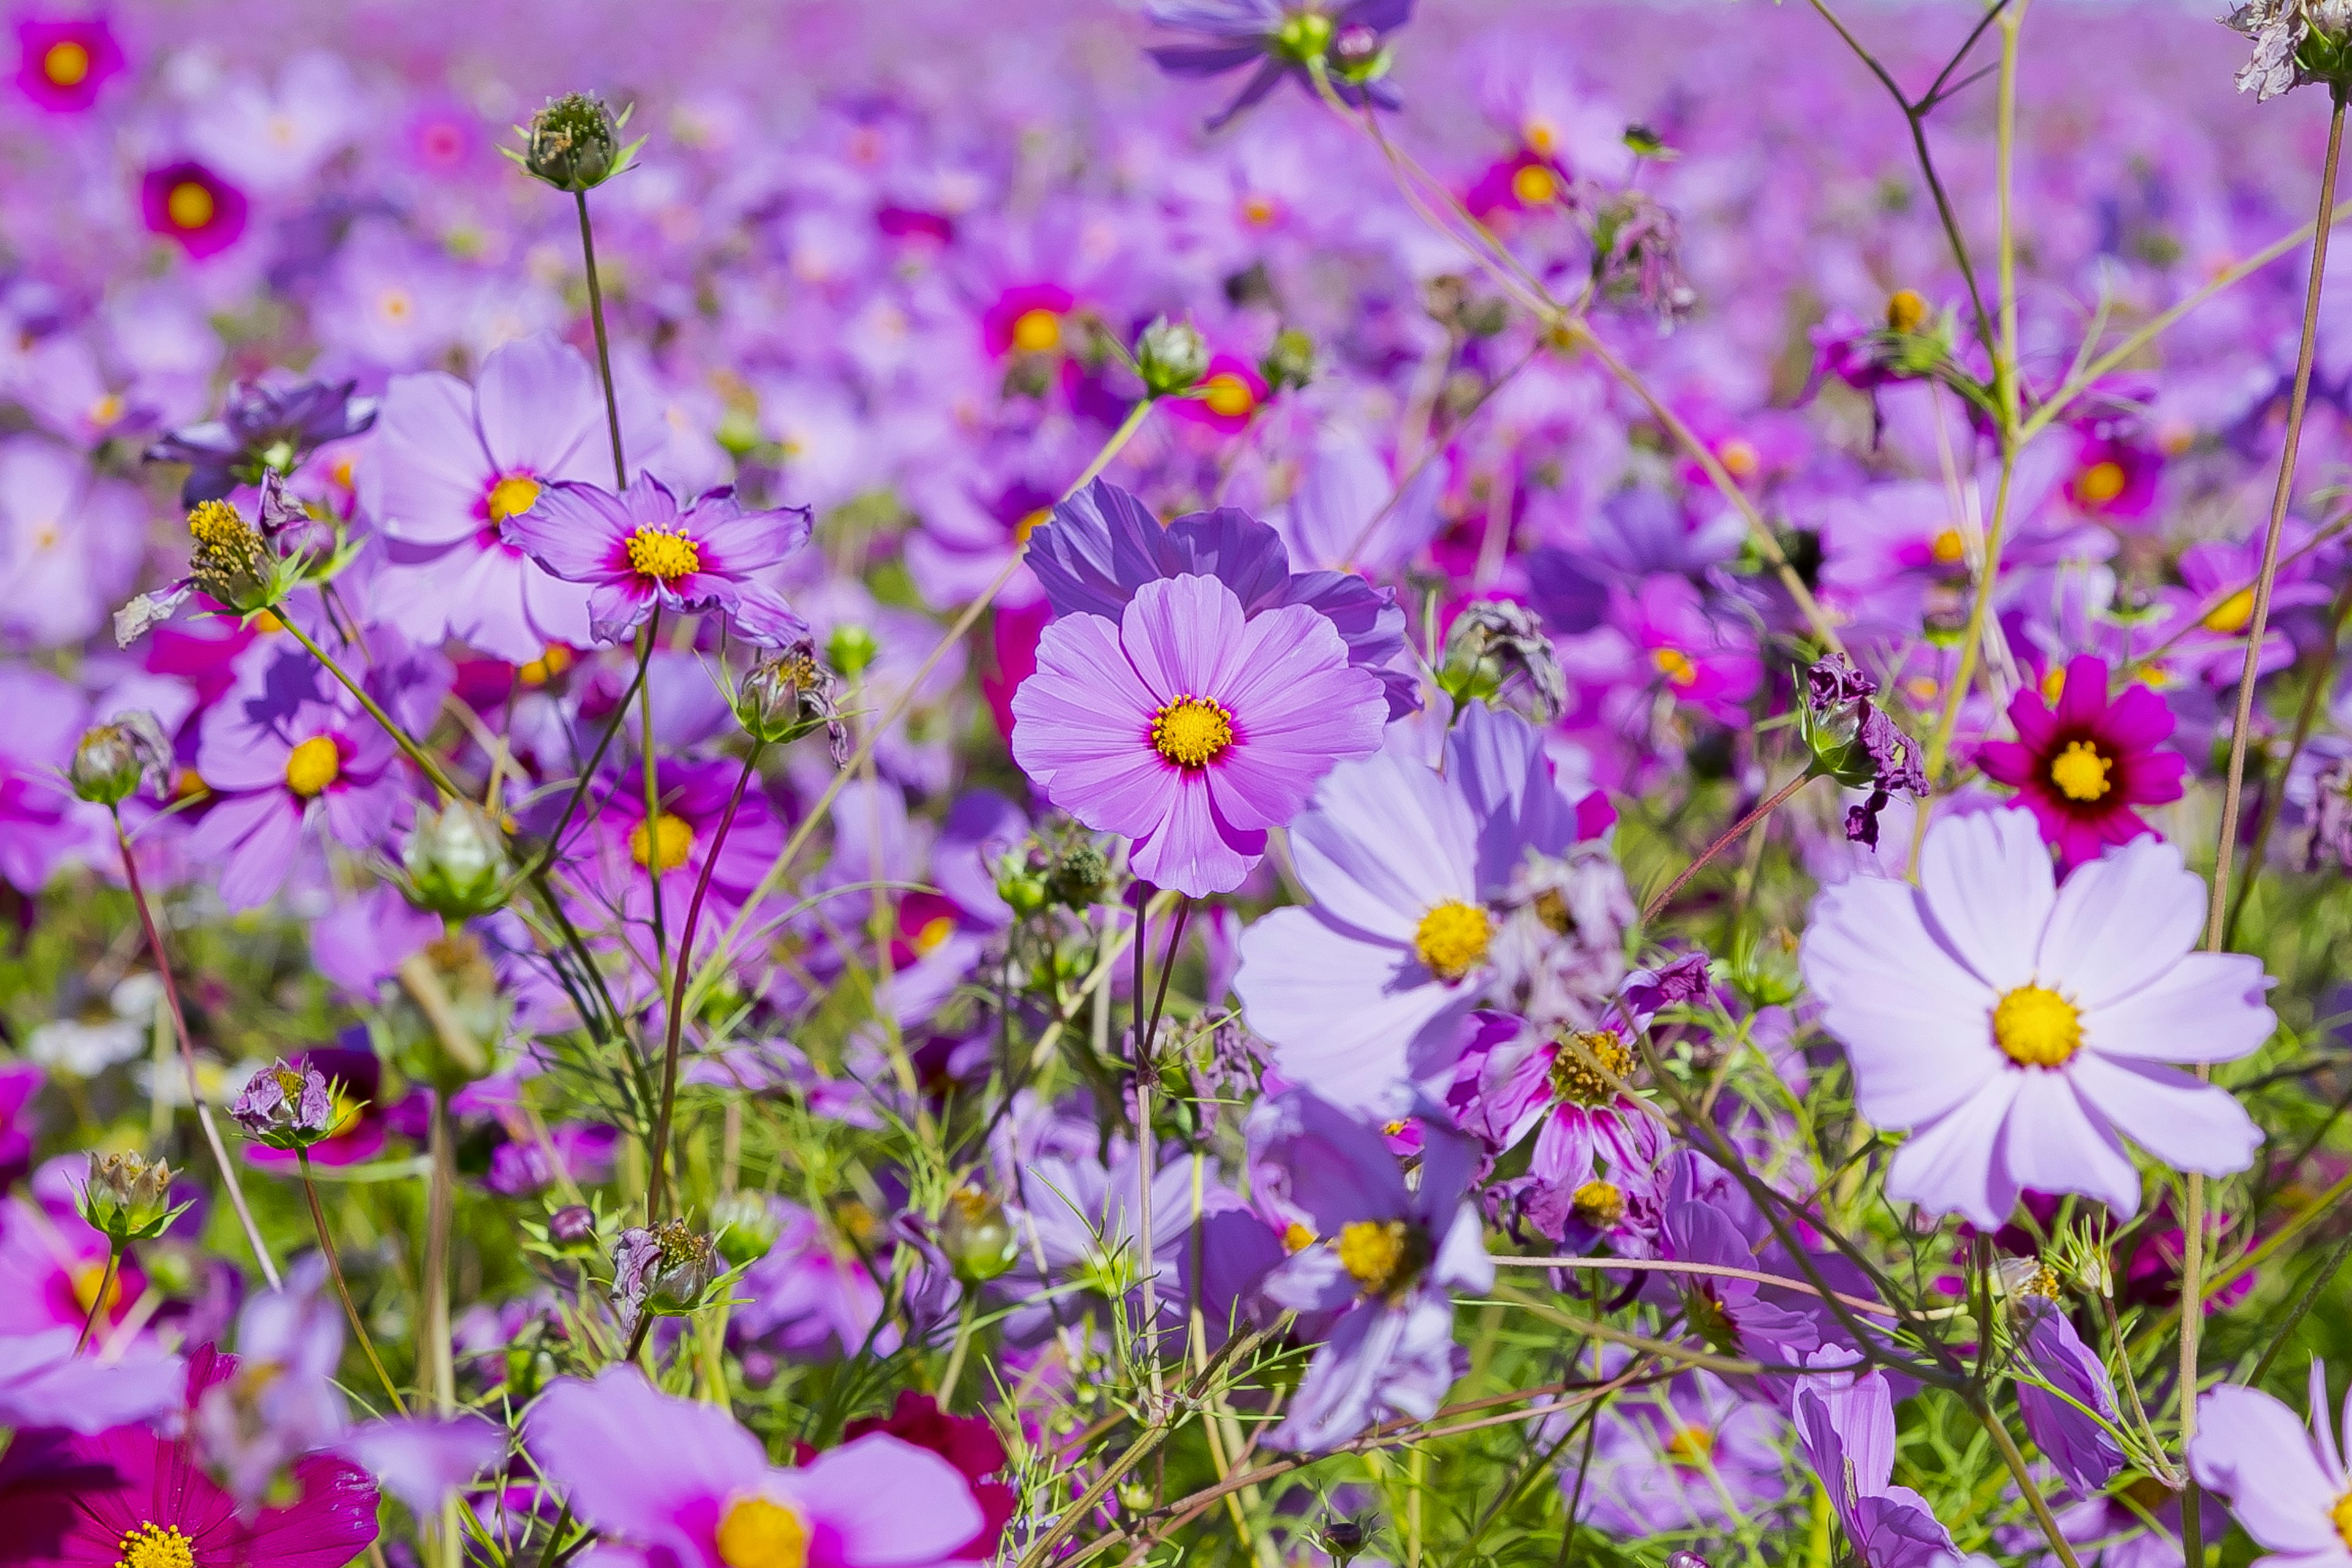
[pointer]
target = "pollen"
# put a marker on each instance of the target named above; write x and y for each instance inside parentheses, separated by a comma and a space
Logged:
(512, 496)
(66, 63)
(552, 661)
(1038, 332)
(1575, 1079)
(1029, 524)
(2036, 1027)
(2340, 1516)
(2232, 614)
(1296, 1237)
(1693, 1446)
(1948, 547)
(2101, 483)
(1191, 732)
(1599, 1203)
(314, 765)
(1452, 938)
(935, 930)
(216, 524)
(1905, 311)
(189, 205)
(2081, 771)
(1228, 396)
(1377, 1253)
(661, 554)
(1674, 665)
(761, 1533)
(1740, 457)
(1534, 186)
(153, 1545)
(671, 841)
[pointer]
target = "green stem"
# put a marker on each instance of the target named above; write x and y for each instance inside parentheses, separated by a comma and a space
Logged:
(2010, 1456)
(424, 760)
(1731, 836)
(342, 1288)
(646, 637)
(98, 1300)
(603, 351)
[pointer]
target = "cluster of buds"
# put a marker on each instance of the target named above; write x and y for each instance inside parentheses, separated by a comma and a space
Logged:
(789, 695)
(456, 861)
(574, 144)
(127, 1198)
(663, 1271)
(1074, 877)
(286, 1107)
(115, 758)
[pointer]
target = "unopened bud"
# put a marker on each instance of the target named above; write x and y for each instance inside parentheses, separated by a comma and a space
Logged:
(851, 649)
(574, 143)
(1172, 357)
(1354, 47)
(573, 1224)
(127, 1198)
(114, 759)
(1079, 875)
(1343, 1538)
(746, 1227)
(1290, 363)
(664, 1271)
(979, 1241)
(456, 861)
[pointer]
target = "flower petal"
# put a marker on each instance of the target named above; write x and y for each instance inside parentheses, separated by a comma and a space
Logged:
(1988, 887)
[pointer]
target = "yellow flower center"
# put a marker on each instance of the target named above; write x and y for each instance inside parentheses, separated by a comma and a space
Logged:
(1590, 1076)
(2340, 1516)
(1534, 186)
(1693, 1446)
(553, 661)
(1674, 665)
(1228, 396)
(1740, 457)
(1296, 1237)
(658, 552)
(1257, 211)
(216, 524)
(2036, 1027)
(1377, 1253)
(1905, 311)
(1599, 1204)
(107, 410)
(666, 847)
(1191, 732)
(85, 1288)
(66, 63)
(1948, 547)
(2081, 771)
(1452, 938)
(1037, 331)
(936, 930)
(2101, 483)
(153, 1545)
(1540, 135)
(761, 1533)
(514, 495)
(314, 765)
(189, 205)
(1029, 525)
(2232, 614)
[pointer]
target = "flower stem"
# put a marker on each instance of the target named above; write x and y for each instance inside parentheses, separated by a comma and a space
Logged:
(2007, 1447)
(1147, 1074)
(655, 1189)
(1731, 836)
(343, 1288)
(603, 352)
(98, 1300)
(424, 760)
(188, 1055)
(440, 1204)
(647, 636)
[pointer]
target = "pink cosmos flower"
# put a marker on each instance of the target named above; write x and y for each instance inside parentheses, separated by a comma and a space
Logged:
(2020, 1030)
(2287, 1482)
(2082, 767)
(1190, 727)
(66, 61)
(677, 1483)
(1704, 660)
(187, 203)
(640, 549)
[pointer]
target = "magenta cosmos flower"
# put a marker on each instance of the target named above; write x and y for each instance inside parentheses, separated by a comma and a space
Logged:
(2020, 1029)
(676, 1483)
(187, 203)
(1191, 727)
(639, 550)
(2287, 1482)
(2080, 767)
(66, 61)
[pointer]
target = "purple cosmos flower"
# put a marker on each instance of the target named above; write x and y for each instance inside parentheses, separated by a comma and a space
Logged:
(1558, 1085)
(72, 540)
(421, 1459)
(811, 1295)
(1103, 543)
(2081, 768)
(43, 1383)
(1739, 1317)
(2019, 1029)
(1846, 1426)
(1384, 1260)
(2287, 1482)
(1413, 876)
(280, 1402)
(287, 749)
(1078, 1216)
(670, 1481)
(691, 800)
(451, 464)
(1282, 39)
(2084, 1449)
(640, 550)
(1690, 1455)
(188, 203)
(1190, 727)
(268, 425)
(66, 60)
(36, 810)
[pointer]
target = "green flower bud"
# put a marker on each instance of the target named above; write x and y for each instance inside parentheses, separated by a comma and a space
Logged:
(127, 1198)
(114, 759)
(851, 648)
(456, 861)
(574, 143)
(1304, 35)
(746, 1227)
(1290, 363)
(790, 695)
(1021, 883)
(979, 1241)
(1172, 357)
(1079, 875)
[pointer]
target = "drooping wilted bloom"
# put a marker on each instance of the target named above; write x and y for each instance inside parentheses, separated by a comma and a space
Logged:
(640, 549)
(265, 426)
(2084, 1449)
(1191, 727)
(1387, 1259)
(2080, 767)
(2020, 1028)
(1284, 38)
(665, 1271)
(1853, 742)
(286, 1107)
(239, 565)
(2296, 45)
(1845, 1428)
(790, 694)
(1495, 646)
(2286, 1482)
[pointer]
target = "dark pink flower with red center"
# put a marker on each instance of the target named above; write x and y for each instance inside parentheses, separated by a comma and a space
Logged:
(1227, 397)
(66, 60)
(188, 203)
(2080, 767)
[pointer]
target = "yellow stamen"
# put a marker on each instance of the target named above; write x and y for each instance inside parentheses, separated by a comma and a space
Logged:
(1259, 211)
(107, 410)
(512, 496)
(1674, 665)
(1905, 311)
(66, 63)
(1038, 332)
(551, 663)
(1693, 1446)
(1599, 1204)
(314, 765)
(1228, 396)
(216, 524)
(2340, 1516)
(189, 205)
(761, 1533)
(2232, 614)
(936, 930)
(1296, 1237)
(2036, 1027)
(1948, 547)
(2081, 771)
(1191, 732)
(2101, 483)
(1740, 457)
(672, 842)
(1573, 1077)
(660, 553)
(153, 1545)
(1534, 186)
(85, 1288)
(1376, 1254)
(1452, 938)
(1029, 525)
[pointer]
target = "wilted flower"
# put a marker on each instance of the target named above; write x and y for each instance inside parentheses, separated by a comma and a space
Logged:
(1495, 642)
(286, 1107)
(790, 694)
(664, 1271)
(115, 758)
(127, 1198)
(1853, 742)
(265, 427)
(2296, 42)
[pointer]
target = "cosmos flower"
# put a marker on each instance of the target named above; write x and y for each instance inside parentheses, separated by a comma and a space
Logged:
(66, 60)
(1689, 1455)
(2020, 1029)
(640, 550)
(189, 205)
(678, 1482)
(2286, 1482)
(1518, 1081)
(1282, 39)
(967, 1442)
(616, 851)
(421, 1459)
(1845, 1428)
(43, 1383)
(266, 426)
(1190, 727)
(2085, 1451)
(2082, 767)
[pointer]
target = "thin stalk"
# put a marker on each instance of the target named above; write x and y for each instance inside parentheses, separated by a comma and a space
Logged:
(424, 760)
(2303, 1304)
(1731, 836)
(229, 1182)
(440, 1203)
(1147, 1075)
(603, 350)
(98, 1301)
(2192, 1296)
(342, 1288)
(647, 636)
(656, 1190)
(2007, 1445)
(2275, 798)
(966, 1316)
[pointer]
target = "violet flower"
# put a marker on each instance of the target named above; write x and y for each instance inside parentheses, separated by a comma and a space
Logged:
(421, 1459)
(280, 1401)
(1845, 1428)
(265, 426)
(1283, 39)
(2286, 1482)
(43, 1383)
(2083, 1449)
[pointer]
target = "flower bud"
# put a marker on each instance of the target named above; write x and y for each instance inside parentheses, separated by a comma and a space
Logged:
(456, 861)
(979, 1241)
(1495, 644)
(573, 1224)
(574, 143)
(746, 1227)
(664, 1271)
(788, 696)
(114, 759)
(1290, 363)
(1172, 357)
(1021, 883)
(126, 1199)
(1343, 1538)
(1686, 1560)
(1079, 875)
(851, 649)
(286, 1107)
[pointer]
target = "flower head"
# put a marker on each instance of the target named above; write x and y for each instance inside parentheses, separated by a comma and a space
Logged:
(189, 205)
(2080, 767)
(1343, 42)
(286, 1107)
(128, 1197)
(2286, 1482)
(265, 426)
(66, 61)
